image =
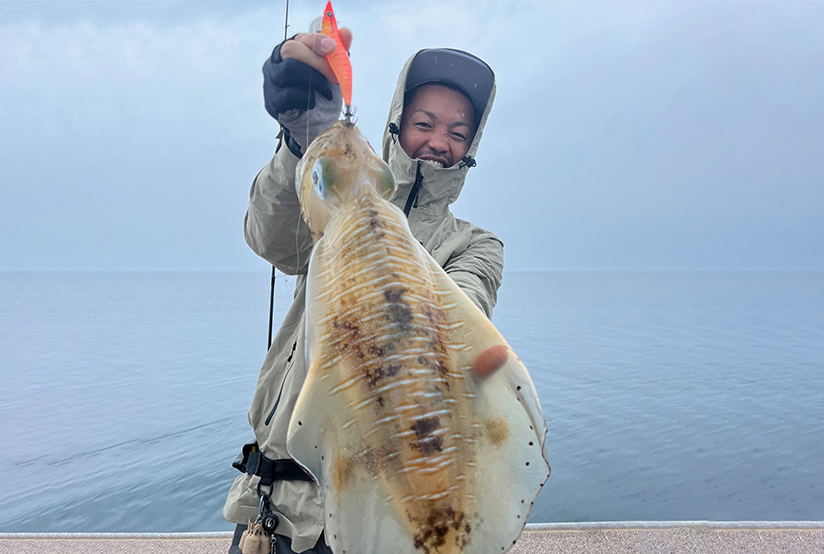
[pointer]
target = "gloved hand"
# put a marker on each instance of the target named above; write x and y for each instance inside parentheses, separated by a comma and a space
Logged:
(296, 94)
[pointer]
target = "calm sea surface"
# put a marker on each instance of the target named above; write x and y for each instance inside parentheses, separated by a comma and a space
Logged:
(668, 396)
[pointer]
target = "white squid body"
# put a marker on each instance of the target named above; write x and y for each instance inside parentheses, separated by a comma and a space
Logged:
(413, 453)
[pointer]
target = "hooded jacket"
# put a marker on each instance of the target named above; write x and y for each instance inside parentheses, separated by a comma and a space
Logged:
(275, 230)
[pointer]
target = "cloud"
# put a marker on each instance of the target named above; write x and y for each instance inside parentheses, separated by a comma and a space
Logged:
(133, 129)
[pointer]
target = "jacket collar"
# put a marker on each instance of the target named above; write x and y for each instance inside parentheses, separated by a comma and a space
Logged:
(441, 186)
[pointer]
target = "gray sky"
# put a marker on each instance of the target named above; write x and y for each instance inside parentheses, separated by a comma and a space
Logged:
(626, 135)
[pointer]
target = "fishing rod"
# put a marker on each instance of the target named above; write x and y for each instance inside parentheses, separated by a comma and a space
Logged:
(272, 289)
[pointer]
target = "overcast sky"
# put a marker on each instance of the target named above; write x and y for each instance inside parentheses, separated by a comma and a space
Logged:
(626, 135)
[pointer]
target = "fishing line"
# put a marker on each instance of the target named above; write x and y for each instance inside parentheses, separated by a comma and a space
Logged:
(286, 22)
(274, 271)
(314, 29)
(297, 227)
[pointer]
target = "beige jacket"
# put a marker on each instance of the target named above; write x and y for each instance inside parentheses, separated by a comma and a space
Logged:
(275, 230)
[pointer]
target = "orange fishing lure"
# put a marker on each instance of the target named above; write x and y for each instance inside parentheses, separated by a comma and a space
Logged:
(339, 59)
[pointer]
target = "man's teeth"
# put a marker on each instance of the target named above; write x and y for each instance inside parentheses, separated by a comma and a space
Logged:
(435, 162)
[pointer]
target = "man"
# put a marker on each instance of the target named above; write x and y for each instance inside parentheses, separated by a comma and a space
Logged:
(435, 123)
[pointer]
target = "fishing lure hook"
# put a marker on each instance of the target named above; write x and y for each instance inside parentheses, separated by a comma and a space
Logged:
(349, 116)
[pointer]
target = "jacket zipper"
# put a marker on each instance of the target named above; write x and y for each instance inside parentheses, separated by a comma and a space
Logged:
(412, 199)
(282, 383)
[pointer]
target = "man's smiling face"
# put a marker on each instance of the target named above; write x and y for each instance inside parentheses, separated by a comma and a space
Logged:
(437, 125)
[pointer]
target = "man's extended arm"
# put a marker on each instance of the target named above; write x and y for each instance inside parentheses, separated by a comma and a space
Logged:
(273, 226)
(299, 96)
(478, 270)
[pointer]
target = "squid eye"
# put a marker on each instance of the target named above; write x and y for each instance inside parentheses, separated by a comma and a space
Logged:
(317, 179)
(329, 14)
(388, 179)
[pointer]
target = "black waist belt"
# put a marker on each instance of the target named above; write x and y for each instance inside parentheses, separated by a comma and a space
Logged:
(253, 462)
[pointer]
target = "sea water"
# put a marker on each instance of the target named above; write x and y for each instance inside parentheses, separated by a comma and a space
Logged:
(668, 396)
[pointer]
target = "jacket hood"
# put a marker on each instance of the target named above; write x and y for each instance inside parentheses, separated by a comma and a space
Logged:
(441, 186)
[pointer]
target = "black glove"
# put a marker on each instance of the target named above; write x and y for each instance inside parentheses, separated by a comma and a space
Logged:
(291, 85)
(290, 90)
